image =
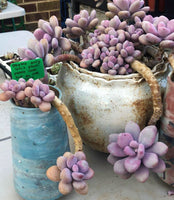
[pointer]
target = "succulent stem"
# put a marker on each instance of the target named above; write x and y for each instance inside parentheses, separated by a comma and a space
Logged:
(155, 89)
(16, 102)
(152, 51)
(67, 117)
(76, 46)
(67, 57)
(85, 41)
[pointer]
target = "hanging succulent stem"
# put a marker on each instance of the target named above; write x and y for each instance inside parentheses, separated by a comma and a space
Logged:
(85, 41)
(67, 57)
(171, 60)
(155, 89)
(76, 46)
(153, 51)
(67, 117)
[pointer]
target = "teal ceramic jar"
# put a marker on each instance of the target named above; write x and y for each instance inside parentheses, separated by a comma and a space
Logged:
(38, 138)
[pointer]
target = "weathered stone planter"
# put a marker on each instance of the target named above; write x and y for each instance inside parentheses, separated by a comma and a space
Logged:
(102, 104)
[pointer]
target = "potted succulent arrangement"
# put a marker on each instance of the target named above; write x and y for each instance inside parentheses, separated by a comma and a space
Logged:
(39, 122)
(122, 64)
(116, 74)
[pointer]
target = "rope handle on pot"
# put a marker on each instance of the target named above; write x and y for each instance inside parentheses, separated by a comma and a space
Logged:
(155, 89)
(154, 86)
(72, 170)
(67, 117)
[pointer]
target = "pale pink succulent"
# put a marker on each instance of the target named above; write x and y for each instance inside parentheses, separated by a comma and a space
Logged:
(74, 171)
(80, 24)
(26, 92)
(158, 30)
(136, 152)
(126, 9)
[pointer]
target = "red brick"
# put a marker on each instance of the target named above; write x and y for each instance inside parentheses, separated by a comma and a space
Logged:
(29, 7)
(51, 5)
(19, 1)
(46, 9)
(32, 1)
(27, 1)
(56, 13)
(31, 26)
(36, 16)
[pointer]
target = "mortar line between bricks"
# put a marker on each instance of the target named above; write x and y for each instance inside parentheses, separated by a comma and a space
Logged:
(6, 138)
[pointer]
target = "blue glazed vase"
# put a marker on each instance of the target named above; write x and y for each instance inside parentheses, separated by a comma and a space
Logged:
(38, 138)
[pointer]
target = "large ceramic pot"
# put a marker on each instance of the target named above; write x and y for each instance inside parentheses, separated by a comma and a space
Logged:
(38, 138)
(167, 130)
(102, 104)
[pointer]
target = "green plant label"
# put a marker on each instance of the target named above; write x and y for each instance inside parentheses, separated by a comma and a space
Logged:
(28, 69)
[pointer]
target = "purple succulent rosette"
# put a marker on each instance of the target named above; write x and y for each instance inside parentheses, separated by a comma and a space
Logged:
(48, 43)
(111, 51)
(74, 171)
(127, 8)
(80, 24)
(158, 30)
(31, 93)
(136, 152)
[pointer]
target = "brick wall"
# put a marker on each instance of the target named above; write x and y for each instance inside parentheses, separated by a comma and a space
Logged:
(39, 9)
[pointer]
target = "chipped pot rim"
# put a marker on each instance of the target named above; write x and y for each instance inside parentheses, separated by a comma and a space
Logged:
(158, 69)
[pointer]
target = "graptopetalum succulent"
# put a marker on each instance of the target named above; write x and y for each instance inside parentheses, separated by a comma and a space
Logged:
(48, 44)
(80, 25)
(72, 170)
(31, 93)
(135, 152)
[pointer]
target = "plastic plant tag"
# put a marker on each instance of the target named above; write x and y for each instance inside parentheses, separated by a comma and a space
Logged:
(28, 69)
